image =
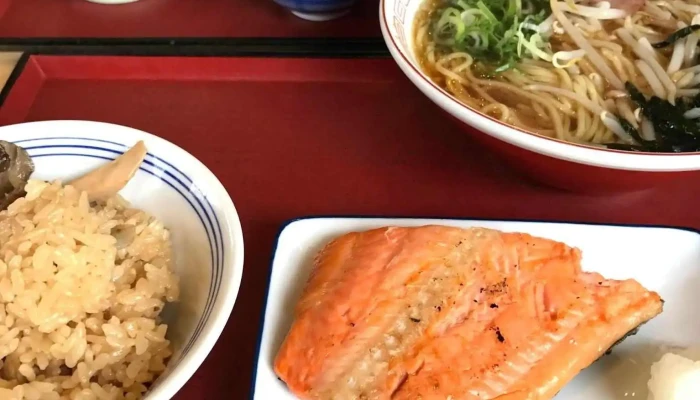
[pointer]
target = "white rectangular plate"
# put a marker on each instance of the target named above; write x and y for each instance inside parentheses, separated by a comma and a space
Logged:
(666, 260)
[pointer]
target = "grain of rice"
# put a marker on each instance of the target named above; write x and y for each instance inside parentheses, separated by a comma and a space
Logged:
(79, 312)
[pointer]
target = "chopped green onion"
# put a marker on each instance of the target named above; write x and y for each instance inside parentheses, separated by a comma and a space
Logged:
(487, 13)
(496, 33)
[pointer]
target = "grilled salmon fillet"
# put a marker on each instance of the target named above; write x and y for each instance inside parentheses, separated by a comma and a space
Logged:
(438, 312)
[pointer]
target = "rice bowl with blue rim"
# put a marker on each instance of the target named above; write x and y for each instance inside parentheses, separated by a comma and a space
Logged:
(178, 191)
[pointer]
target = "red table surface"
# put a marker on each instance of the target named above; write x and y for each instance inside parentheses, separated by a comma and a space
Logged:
(175, 19)
(297, 137)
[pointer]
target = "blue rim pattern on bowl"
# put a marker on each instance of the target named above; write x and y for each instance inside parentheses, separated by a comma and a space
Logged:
(316, 6)
(159, 168)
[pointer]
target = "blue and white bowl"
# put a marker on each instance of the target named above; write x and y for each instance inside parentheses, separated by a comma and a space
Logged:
(317, 10)
(179, 190)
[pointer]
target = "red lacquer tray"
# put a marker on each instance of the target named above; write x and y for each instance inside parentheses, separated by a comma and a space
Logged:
(70, 19)
(295, 137)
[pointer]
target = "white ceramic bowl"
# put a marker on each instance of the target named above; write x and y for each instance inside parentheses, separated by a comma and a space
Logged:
(553, 161)
(178, 189)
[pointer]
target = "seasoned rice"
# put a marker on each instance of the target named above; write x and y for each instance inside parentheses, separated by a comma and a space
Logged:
(81, 290)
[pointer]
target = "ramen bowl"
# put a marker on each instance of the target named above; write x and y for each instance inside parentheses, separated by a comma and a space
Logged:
(178, 190)
(551, 161)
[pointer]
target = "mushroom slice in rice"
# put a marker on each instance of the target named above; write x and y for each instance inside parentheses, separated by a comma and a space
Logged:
(16, 167)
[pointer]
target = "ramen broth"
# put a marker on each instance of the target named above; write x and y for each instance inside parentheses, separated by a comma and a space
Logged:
(623, 75)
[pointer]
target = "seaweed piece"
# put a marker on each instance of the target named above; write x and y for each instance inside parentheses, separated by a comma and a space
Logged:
(674, 132)
(676, 36)
(635, 94)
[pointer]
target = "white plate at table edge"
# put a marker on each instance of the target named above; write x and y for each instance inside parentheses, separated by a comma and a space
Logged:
(637, 349)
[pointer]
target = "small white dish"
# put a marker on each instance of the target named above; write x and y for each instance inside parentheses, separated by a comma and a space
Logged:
(662, 259)
(178, 189)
